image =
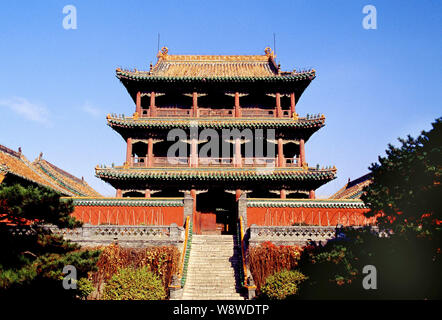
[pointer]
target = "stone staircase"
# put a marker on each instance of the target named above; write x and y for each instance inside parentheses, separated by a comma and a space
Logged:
(212, 273)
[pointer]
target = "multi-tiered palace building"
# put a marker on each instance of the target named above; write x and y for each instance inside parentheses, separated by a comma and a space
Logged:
(199, 92)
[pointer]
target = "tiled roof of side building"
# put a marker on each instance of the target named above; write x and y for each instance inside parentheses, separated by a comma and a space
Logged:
(76, 186)
(215, 66)
(13, 162)
(353, 189)
(42, 173)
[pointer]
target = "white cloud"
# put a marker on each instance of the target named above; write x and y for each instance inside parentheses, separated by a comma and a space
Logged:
(92, 110)
(27, 109)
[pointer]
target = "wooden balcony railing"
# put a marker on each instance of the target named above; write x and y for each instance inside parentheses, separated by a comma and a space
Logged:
(138, 162)
(208, 112)
(255, 112)
(293, 162)
(173, 112)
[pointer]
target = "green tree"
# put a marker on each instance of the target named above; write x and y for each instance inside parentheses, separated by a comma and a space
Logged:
(404, 196)
(406, 187)
(21, 205)
(31, 264)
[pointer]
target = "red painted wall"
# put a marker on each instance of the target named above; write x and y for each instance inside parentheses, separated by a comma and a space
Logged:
(312, 216)
(129, 215)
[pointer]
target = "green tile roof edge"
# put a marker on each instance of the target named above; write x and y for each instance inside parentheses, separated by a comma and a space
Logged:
(277, 78)
(169, 122)
(305, 203)
(57, 180)
(131, 202)
(215, 173)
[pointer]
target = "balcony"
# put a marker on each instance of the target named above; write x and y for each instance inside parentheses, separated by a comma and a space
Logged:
(182, 112)
(158, 162)
(208, 112)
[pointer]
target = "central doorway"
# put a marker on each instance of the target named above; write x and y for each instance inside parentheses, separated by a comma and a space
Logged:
(216, 212)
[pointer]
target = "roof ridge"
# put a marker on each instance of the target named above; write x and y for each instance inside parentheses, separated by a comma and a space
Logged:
(10, 151)
(44, 177)
(61, 171)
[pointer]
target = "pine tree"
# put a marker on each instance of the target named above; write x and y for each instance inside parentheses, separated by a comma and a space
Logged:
(31, 265)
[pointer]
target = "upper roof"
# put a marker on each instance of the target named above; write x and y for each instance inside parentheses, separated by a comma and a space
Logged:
(15, 163)
(215, 65)
(207, 67)
(353, 189)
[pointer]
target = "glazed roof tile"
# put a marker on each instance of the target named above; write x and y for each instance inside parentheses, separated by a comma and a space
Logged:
(167, 123)
(16, 164)
(219, 174)
(128, 202)
(306, 203)
(42, 173)
(215, 67)
(353, 189)
(64, 179)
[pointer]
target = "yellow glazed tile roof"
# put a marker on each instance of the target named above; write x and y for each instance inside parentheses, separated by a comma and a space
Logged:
(65, 180)
(353, 189)
(15, 163)
(42, 173)
(214, 65)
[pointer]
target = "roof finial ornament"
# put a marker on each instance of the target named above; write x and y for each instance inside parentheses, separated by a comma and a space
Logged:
(163, 52)
(269, 52)
(40, 156)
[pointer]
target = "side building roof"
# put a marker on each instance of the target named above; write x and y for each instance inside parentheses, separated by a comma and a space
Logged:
(15, 165)
(78, 187)
(353, 189)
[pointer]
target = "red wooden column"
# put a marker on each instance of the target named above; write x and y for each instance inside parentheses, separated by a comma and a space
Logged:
(149, 162)
(147, 194)
(292, 104)
(119, 193)
(195, 104)
(283, 194)
(237, 106)
(153, 109)
(193, 195)
(238, 194)
(138, 104)
(278, 105)
(301, 152)
(281, 159)
(311, 194)
(237, 157)
(129, 152)
(193, 153)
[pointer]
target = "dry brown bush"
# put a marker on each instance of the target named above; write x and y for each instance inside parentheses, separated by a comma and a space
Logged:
(266, 259)
(164, 261)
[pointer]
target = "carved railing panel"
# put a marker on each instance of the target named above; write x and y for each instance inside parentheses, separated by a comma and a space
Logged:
(292, 232)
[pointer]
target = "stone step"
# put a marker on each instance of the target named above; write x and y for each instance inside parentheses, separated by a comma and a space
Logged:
(213, 298)
(210, 290)
(217, 282)
(211, 270)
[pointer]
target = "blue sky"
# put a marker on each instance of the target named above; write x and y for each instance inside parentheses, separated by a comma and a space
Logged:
(373, 86)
